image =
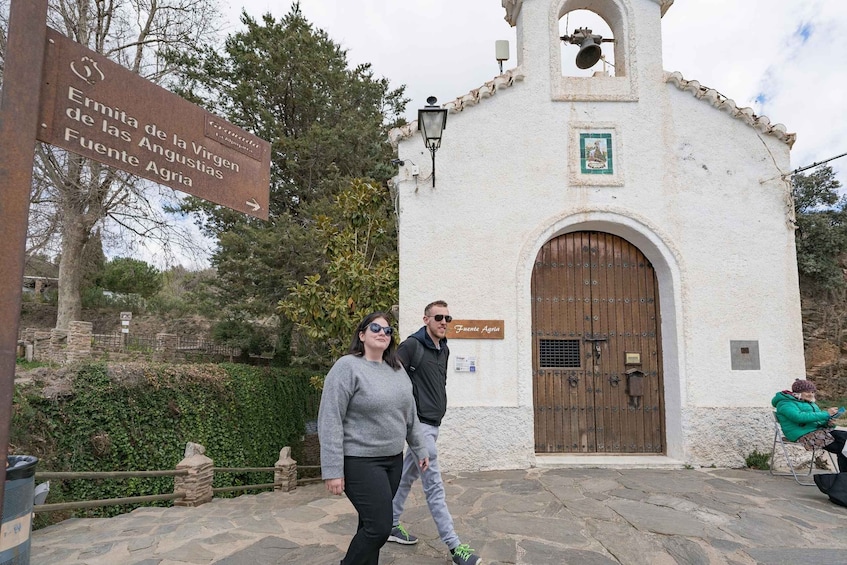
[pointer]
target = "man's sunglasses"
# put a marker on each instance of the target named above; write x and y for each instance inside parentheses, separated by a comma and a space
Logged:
(375, 328)
(439, 317)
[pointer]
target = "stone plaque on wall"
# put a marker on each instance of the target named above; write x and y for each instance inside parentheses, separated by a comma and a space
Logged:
(744, 355)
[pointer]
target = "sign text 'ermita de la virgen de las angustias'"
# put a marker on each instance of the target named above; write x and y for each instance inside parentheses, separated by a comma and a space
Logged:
(96, 108)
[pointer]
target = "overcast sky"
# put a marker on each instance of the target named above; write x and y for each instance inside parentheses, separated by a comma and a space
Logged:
(784, 58)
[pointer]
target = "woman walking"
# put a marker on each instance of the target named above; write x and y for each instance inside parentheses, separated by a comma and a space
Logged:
(367, 412)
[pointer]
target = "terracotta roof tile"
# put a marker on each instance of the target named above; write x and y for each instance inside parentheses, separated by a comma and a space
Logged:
(472, 98)
(715, 98)
(721, 102)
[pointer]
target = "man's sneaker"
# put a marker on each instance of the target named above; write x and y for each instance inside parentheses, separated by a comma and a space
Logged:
(464, 555)
(400, 535)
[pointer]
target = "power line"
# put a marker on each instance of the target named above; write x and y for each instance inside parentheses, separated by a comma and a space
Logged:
(807, 167)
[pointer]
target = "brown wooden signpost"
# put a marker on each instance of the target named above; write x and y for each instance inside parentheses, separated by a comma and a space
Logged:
(98, 109)
(89, 105)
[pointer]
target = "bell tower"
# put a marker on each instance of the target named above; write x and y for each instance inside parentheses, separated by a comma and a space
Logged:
(636, 36)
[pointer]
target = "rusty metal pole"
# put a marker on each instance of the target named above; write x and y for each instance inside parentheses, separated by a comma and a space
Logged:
(19, 105)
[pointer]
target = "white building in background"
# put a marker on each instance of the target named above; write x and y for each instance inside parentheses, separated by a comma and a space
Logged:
(631, 236)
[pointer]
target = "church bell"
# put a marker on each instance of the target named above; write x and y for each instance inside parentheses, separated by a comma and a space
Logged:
(589, 53)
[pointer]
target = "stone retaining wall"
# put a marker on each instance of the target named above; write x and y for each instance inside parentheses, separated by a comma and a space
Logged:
(78, 343)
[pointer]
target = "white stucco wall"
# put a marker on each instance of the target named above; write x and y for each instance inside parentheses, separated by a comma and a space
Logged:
(698, 192)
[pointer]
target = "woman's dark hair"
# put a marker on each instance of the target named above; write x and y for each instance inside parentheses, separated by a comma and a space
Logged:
(357, 348)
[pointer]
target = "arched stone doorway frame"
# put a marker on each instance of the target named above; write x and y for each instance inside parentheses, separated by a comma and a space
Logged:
(667, 262)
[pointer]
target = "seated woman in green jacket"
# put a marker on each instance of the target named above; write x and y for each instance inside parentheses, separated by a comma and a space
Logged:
(803, 421)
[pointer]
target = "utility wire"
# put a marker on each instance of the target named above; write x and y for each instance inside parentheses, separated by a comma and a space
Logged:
(807, 167)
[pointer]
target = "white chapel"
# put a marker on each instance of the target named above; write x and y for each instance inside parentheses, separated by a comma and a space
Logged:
(616, 249)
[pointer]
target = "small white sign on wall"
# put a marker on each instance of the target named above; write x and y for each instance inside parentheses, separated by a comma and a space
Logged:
(465, 364)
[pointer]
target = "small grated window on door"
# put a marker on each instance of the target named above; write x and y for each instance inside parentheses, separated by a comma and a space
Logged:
(559, 353)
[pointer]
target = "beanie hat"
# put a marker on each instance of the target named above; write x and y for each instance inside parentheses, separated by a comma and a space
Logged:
(803, 386)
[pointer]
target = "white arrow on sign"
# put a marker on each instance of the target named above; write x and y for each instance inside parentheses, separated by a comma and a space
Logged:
(253, 204)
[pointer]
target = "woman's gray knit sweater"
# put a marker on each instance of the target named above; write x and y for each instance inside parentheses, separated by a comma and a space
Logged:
(367, 410)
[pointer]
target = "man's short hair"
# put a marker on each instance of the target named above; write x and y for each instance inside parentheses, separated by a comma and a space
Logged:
(431, 304)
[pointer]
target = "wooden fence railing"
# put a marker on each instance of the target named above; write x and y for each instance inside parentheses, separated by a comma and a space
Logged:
(195, 488)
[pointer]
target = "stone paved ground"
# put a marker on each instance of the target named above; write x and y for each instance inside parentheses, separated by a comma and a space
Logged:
(531, 517)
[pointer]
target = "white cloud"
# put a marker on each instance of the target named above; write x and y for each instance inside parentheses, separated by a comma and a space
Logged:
(745, 49)
(786, 54)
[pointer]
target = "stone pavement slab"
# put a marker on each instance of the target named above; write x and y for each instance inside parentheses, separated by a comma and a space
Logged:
(527, 517)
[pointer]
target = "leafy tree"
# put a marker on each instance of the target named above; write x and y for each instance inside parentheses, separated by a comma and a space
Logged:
(821, 237)
(361, 275)
(131, 276)
(177, 298)
(250, 338)
(290, 84)
(73, 198)
(255, 265)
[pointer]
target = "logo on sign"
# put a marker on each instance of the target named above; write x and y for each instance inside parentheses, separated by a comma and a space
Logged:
(87, 64)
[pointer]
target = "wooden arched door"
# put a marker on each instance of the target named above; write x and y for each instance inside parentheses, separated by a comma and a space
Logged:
(597, 359)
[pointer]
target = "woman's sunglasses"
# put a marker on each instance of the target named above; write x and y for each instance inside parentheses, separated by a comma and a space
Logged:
(439, 317)
(375, 328)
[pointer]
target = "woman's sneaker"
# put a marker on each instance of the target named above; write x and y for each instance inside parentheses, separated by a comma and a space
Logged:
(464, 555)
(400, 535)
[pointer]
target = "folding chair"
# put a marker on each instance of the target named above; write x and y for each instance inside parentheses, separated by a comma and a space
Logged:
(784, 442)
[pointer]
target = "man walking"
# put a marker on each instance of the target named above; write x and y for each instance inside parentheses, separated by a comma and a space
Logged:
(424, 354)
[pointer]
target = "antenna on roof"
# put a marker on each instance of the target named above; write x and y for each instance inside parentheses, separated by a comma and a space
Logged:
(501, 52)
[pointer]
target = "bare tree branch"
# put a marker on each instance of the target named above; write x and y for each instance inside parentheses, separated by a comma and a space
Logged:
(72, 198)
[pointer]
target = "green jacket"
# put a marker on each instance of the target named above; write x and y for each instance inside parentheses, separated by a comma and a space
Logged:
(798, 417)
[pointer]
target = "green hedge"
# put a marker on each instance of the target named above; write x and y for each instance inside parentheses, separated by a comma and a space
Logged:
(140, 416)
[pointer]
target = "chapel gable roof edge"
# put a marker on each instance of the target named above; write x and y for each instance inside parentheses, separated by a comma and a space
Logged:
(472, 98)
(721, 102)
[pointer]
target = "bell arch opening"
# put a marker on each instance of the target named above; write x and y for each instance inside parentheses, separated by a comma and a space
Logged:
(607, 19)
(588, 38)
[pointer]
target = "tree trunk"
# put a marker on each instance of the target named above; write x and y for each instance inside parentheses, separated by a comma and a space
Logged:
(74, 237)
(83, 192)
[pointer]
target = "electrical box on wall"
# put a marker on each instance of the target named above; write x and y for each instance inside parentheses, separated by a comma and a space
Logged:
(744, 355)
